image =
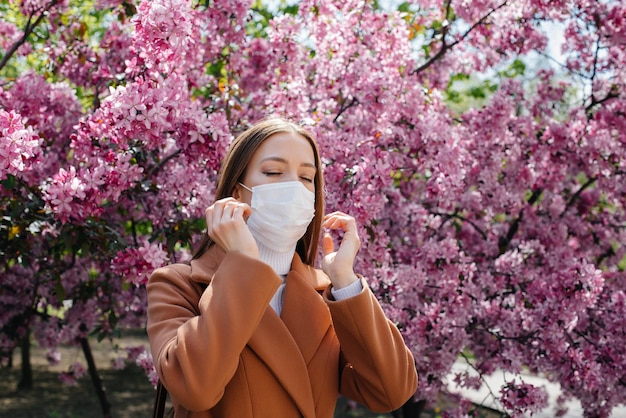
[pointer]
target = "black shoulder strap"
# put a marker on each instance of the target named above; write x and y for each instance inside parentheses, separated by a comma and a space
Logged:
(159, 401)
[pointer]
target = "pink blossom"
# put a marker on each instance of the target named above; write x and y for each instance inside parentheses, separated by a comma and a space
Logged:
(522, 398)
(144, 360)
(19, 144)
(76, 370)
(53, 357)
(105, 4)
(136, 264)
(67, 379)
(64, 189)
(118, 363)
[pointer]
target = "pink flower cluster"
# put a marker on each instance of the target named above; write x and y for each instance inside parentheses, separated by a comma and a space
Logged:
(36, 7)
(136, 264)
(522, 398)
(75, 372)
(145, 361)
(19, 144)
(64, 189)
(9, 36)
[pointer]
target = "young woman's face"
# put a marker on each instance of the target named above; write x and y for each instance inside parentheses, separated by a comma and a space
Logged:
(284, 156)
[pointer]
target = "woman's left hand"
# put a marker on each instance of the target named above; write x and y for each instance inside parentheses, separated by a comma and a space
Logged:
(338, 265)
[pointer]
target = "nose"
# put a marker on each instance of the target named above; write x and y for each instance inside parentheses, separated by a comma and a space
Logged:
(291, 176)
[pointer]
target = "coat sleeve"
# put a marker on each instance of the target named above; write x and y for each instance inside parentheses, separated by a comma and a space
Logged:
(379, 370)
(196, 340)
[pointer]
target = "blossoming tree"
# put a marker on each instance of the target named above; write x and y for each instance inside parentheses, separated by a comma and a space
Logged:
(486, 173)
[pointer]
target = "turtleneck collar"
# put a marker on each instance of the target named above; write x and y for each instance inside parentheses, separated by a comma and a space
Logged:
(279, 261)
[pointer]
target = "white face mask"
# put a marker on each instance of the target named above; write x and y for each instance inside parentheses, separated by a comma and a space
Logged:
(281, 213)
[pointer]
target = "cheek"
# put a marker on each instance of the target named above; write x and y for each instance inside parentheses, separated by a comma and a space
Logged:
(309, 186)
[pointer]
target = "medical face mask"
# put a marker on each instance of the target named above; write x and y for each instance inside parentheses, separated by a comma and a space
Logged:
(281, 213)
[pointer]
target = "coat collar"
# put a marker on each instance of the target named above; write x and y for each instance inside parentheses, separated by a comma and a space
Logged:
(203, 268)
(314, 277)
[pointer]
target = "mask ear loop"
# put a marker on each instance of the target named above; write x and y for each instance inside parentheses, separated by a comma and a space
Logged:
(245, 187)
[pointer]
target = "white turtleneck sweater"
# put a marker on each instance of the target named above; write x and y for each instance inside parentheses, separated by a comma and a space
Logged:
(281, 263)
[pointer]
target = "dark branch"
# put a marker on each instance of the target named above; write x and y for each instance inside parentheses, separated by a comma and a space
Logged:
(504, 242)
(445, 46)
(28, 29)
(163, 162)
(345, 105)
(464, 219)
(576, 195)
(612, 94)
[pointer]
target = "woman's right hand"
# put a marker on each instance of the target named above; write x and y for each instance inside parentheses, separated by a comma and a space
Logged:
(226, 225)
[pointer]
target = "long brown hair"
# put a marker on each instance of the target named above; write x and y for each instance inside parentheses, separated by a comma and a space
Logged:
(234, 168)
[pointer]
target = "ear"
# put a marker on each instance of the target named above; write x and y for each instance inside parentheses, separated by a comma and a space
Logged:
(236, 193)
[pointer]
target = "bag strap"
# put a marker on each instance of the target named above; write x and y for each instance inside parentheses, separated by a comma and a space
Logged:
(158, 410)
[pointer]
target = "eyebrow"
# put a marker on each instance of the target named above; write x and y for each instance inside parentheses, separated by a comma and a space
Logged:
(282, 160)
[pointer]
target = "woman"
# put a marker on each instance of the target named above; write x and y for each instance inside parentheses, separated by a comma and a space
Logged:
(249, 328)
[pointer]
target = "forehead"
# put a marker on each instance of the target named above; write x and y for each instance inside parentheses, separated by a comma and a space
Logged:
(289, 145)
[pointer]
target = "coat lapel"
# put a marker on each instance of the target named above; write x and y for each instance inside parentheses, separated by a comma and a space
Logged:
(287, 345)
(273, 343)
(304, 312)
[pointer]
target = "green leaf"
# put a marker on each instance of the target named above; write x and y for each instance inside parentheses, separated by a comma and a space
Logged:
(9, 182)
(515, 69)
(405, 7)
(59, 290)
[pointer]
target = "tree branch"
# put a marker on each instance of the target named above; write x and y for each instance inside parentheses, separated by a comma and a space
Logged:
(445, 46)
(163, 162)
(503, 243)
(576, 195)
(612, 94)
(28, 29)
(345, 105)
(464, 219)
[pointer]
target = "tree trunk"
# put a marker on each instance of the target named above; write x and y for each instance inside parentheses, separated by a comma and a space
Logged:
(95, 379)
(26, 380)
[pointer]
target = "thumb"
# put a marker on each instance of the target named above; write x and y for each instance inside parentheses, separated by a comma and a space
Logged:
(247, 211)
(327, 244)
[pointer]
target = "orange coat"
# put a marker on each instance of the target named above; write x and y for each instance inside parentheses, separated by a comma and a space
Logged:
(222, 351)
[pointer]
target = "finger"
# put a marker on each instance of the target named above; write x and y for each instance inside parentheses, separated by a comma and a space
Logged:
(238, 212)
(218, 209)
(331, 221)
(225, 207)
(333, 214)
(242, 211)
(213, 224)
(327, 244)
(340, 220)
(228, 211)
(222, 216)
(247, 210)
(208, 214)
(350, 242)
